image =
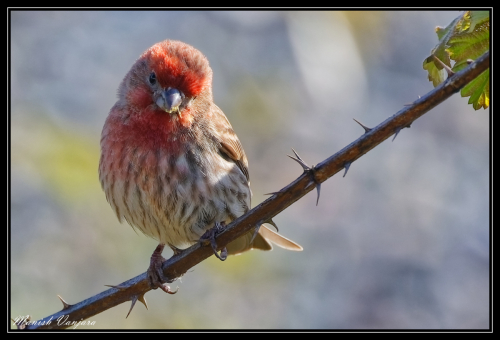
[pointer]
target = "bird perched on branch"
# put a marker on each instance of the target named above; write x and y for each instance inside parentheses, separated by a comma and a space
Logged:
(171, 164)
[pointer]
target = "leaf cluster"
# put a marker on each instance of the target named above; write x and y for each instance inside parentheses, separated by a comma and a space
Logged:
(465, 39)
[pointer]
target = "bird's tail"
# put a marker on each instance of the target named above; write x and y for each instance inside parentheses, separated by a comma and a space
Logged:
(263, 241)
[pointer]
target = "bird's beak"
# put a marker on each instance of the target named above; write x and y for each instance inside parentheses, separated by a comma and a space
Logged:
(170, 100)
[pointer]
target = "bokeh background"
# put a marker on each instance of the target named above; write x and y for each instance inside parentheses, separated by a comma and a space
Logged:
(401, 242)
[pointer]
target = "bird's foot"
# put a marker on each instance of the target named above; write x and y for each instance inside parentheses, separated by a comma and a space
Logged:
(155, 277)
(176, 250)
(155, 272)
(209, 237)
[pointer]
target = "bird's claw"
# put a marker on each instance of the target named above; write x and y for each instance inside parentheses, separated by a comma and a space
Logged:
(176, 250)
(155, 274)
(209, 237)
(309, 169)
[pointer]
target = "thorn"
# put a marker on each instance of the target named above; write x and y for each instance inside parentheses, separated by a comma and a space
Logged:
(307, 169)
(142, 299)
(272, 193)
(346, 167)
(398, 129)
(446, 67)
(134, 300)
(410, 104)
(65, 304)
(255, 233)
(367, 129)
(296, 154)
(117, 287)
(300, 161)
(271, 222)
(318, 189)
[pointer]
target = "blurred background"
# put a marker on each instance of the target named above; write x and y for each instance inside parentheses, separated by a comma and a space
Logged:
(401, 242)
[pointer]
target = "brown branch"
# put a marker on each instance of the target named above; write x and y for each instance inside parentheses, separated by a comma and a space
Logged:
(176, 266)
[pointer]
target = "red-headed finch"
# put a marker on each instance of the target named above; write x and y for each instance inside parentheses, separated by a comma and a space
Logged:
(171, 164)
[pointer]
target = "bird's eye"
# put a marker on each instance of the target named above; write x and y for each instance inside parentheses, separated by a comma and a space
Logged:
(152, 78)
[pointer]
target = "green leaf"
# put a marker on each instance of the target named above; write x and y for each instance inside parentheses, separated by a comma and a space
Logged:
(467, 45)
(442, 32)
(479, 91)
(436, 75)
(435, 72)
(443, 35)
(471, 45)
(478, 18)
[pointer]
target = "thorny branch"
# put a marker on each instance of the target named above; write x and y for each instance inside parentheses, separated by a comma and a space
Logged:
(135, 288)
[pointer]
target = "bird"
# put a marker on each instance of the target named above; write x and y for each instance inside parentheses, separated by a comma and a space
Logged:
(171, 164)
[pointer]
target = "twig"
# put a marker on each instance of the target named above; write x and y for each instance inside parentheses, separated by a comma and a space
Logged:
(134, 289)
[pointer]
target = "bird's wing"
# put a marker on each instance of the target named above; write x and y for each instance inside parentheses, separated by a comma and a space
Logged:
(230, 145)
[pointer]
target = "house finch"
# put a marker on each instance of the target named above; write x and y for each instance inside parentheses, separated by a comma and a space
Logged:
(171, 164)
